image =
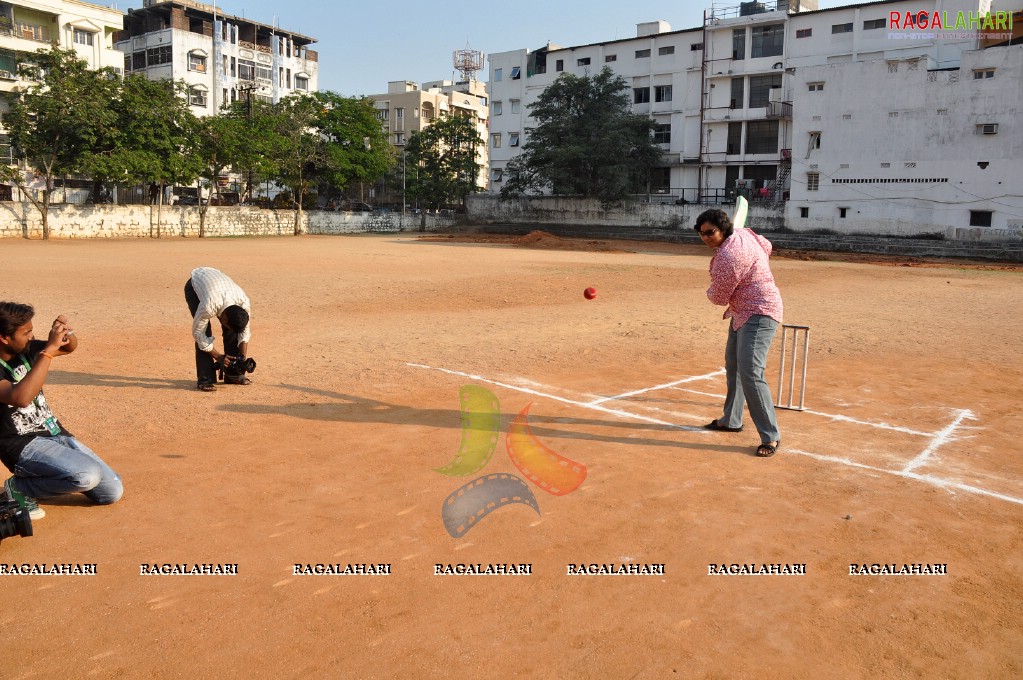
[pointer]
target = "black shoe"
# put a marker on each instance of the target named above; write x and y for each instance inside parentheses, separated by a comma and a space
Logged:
(713, 425)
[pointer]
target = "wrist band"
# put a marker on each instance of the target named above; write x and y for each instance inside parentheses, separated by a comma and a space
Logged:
(46, 355)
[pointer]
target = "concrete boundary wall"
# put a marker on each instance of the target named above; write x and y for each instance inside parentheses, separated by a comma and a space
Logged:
(484, 208)
(22, 220)
(766, 216)
(642, 221)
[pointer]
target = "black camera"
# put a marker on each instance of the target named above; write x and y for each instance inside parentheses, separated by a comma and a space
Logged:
(14, 520)
(238, 366)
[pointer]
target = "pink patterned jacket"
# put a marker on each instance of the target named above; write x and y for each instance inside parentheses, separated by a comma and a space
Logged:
(741, 278)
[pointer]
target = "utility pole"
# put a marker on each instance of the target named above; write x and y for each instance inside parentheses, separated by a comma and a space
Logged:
(248, 113)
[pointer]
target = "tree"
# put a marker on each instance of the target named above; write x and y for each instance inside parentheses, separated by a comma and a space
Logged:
(216, 144)
(65, 115)
(586, 142)
(153, 126)
(357, 143)
(444, 158)
(297, 147)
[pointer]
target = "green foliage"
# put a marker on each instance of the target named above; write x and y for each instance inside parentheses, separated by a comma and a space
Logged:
(442, 164)
(586, 142)
(63, 117)
(215, 144)
(153, 126)
(76, 121)
(357, 148)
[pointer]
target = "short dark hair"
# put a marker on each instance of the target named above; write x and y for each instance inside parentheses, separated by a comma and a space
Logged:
(237, 318)
(14, 315)
(719, 218)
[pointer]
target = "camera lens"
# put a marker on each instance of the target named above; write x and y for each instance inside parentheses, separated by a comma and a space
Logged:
(14, 520)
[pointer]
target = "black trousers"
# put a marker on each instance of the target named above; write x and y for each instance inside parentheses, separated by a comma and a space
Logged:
(205, 370)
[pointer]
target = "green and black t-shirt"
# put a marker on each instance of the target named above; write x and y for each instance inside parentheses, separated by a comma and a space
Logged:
(19, 426)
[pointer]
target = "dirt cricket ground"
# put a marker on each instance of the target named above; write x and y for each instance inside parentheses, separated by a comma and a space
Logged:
(908, 456)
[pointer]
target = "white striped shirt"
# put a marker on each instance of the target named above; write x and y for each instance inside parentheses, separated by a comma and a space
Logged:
(216, 293)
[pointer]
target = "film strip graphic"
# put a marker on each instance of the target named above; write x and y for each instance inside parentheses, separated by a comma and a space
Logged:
(481, 428)
(473, 501)
(550, 471)
(481, 424)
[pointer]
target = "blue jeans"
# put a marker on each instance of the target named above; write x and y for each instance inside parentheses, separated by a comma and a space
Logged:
(54, 466)
(745, 360)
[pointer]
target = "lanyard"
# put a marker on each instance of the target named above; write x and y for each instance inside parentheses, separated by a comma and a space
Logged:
(28, 367)
(10, 370)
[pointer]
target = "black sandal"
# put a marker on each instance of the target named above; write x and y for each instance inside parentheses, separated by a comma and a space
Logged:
(713, 425)
(767, 450)
(207, 387)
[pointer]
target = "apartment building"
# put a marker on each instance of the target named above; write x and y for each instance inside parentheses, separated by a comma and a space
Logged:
(907, 130)
(408, 107)
(27, 26)
(30, 25)
(221, 58)
(743, 104)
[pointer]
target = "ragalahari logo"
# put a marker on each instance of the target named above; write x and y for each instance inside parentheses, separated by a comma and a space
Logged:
(959, 25)
(481, 426)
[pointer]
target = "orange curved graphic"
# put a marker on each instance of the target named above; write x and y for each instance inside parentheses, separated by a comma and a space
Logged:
(551, 471)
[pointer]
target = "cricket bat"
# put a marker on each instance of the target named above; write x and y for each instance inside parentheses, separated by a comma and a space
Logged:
(739, 216)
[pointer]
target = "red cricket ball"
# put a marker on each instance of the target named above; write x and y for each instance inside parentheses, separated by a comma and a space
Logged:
(590, 293)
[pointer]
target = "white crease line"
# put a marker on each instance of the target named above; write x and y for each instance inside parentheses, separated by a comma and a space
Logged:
(659, 387)
(847, 419)
(905, 473)
(929, 479)
(526, 390)
(883, 426)
(939, 438)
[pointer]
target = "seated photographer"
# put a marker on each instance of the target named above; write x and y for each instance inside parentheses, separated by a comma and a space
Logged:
(45, 458)
(211, 294)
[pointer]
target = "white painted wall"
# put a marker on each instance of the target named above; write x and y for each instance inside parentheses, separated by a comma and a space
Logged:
(904, 126)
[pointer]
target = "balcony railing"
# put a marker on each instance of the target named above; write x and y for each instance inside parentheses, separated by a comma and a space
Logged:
(254, 46)
(779, 109)
(746, 9)
(27, 31)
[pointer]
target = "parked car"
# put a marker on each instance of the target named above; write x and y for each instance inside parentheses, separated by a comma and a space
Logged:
(358, 206)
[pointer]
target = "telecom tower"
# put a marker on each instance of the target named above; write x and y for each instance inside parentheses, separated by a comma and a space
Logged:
(468, 62)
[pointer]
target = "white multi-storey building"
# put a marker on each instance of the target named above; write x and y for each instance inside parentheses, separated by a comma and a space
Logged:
(785, 102)
(907, 130)
(30, 25)
(221, 58)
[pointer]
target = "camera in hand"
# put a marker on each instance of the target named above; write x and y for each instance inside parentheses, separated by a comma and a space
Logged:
(238, 366)
(14, 520)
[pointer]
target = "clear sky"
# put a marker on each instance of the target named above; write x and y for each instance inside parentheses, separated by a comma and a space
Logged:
(363, 44)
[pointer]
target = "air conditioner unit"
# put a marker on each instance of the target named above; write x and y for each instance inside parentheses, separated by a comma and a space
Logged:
(989, 128)
(7, 75)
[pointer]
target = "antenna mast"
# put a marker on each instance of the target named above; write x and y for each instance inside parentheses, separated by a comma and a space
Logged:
(468, 62)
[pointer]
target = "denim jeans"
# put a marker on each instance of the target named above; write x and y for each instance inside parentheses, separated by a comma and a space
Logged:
(745, 360)
(54, 466)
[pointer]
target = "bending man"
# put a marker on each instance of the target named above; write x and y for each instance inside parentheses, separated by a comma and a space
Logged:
(211, 294)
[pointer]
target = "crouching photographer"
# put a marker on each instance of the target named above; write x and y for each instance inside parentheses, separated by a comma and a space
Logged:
(46, 460)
